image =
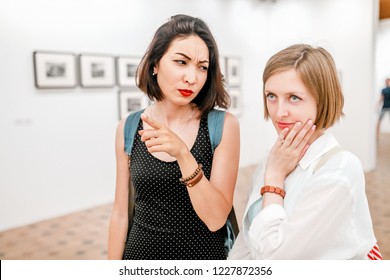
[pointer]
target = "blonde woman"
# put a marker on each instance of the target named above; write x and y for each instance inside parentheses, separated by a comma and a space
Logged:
(308, 199)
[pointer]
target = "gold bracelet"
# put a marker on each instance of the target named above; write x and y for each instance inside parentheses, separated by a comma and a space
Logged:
(192, 176)
(273, 189)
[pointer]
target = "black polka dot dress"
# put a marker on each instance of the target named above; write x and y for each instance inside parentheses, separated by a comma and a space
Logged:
(165, 224)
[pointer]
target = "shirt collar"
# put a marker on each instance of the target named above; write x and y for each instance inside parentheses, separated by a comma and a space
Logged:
(318, 148)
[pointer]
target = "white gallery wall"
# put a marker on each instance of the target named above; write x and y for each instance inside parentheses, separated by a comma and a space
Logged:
(57, 146)
(383, 66)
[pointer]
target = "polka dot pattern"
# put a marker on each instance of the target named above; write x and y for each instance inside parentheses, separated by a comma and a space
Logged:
(165, 223)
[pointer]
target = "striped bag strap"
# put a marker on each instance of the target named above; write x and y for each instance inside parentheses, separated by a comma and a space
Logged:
(375, 254)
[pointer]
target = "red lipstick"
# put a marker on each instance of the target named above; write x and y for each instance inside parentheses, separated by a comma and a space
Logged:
(186, 92)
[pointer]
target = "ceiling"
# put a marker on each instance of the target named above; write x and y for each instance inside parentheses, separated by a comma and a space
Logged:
(384, 9)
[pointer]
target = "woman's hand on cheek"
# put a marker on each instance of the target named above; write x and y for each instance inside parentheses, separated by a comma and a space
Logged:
(160, 138)
(288, 150)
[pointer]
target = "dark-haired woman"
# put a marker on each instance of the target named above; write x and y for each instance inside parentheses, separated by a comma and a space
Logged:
(183, 190)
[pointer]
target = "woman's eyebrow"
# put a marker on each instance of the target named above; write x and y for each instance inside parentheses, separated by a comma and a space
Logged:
(189, 58)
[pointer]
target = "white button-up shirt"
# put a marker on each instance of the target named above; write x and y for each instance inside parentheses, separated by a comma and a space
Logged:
(325, 213)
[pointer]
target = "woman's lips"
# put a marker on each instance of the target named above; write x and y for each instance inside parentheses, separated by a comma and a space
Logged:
(186, 92)
(283, 125)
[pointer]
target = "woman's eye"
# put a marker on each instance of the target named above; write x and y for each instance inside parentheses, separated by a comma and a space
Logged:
(295, 98)
(204, 68)
(180, 61)
(270, 96)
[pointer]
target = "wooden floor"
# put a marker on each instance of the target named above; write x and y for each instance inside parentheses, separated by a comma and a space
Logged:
(378, 194)
(83, 235)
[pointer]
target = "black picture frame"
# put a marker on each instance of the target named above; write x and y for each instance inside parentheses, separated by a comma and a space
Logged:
(126, 68)
(54, 70)
(97, 70)
(130, 101)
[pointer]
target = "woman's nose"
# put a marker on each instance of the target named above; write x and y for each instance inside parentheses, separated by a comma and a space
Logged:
(282, 110)
(190, 76)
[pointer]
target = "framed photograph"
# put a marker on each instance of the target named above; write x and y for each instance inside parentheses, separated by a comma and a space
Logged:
(131, 101)
(235, 98)
(233, 71)
(54, 70)
(97, 70)
(126, 68)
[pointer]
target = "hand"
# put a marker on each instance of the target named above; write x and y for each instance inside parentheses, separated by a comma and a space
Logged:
(161, 139)
(288, 150)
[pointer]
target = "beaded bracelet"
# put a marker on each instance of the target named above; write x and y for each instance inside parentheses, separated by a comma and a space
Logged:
(186, 180)
(195, 180)
(272, 189)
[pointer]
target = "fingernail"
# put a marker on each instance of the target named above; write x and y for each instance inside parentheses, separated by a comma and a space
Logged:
(313, 127)
(310, 122)
(299, 123)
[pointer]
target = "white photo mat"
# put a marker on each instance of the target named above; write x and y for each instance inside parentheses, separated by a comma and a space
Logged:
(233, 71)
(97, 70)
(131, 101)
(126, 71)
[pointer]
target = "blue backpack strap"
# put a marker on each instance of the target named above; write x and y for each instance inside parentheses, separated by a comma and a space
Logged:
(130, 129)
(215, 121)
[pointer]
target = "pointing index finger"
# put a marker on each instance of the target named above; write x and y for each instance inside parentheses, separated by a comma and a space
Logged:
(154, 124)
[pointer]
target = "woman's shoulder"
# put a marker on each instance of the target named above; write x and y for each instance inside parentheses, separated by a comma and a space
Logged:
(126, 123)
(346, 159)
(342, 166)
(120, 126)
(231, 120)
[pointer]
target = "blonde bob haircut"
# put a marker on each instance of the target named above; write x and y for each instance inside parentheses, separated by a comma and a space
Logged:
(318, 72)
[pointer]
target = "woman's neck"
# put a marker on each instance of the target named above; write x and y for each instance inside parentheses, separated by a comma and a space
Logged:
(175, 117)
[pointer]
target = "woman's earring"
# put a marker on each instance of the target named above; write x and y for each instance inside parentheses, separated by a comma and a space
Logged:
(154, 74)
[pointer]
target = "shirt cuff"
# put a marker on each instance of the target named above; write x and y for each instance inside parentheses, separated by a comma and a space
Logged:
(268, 217)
